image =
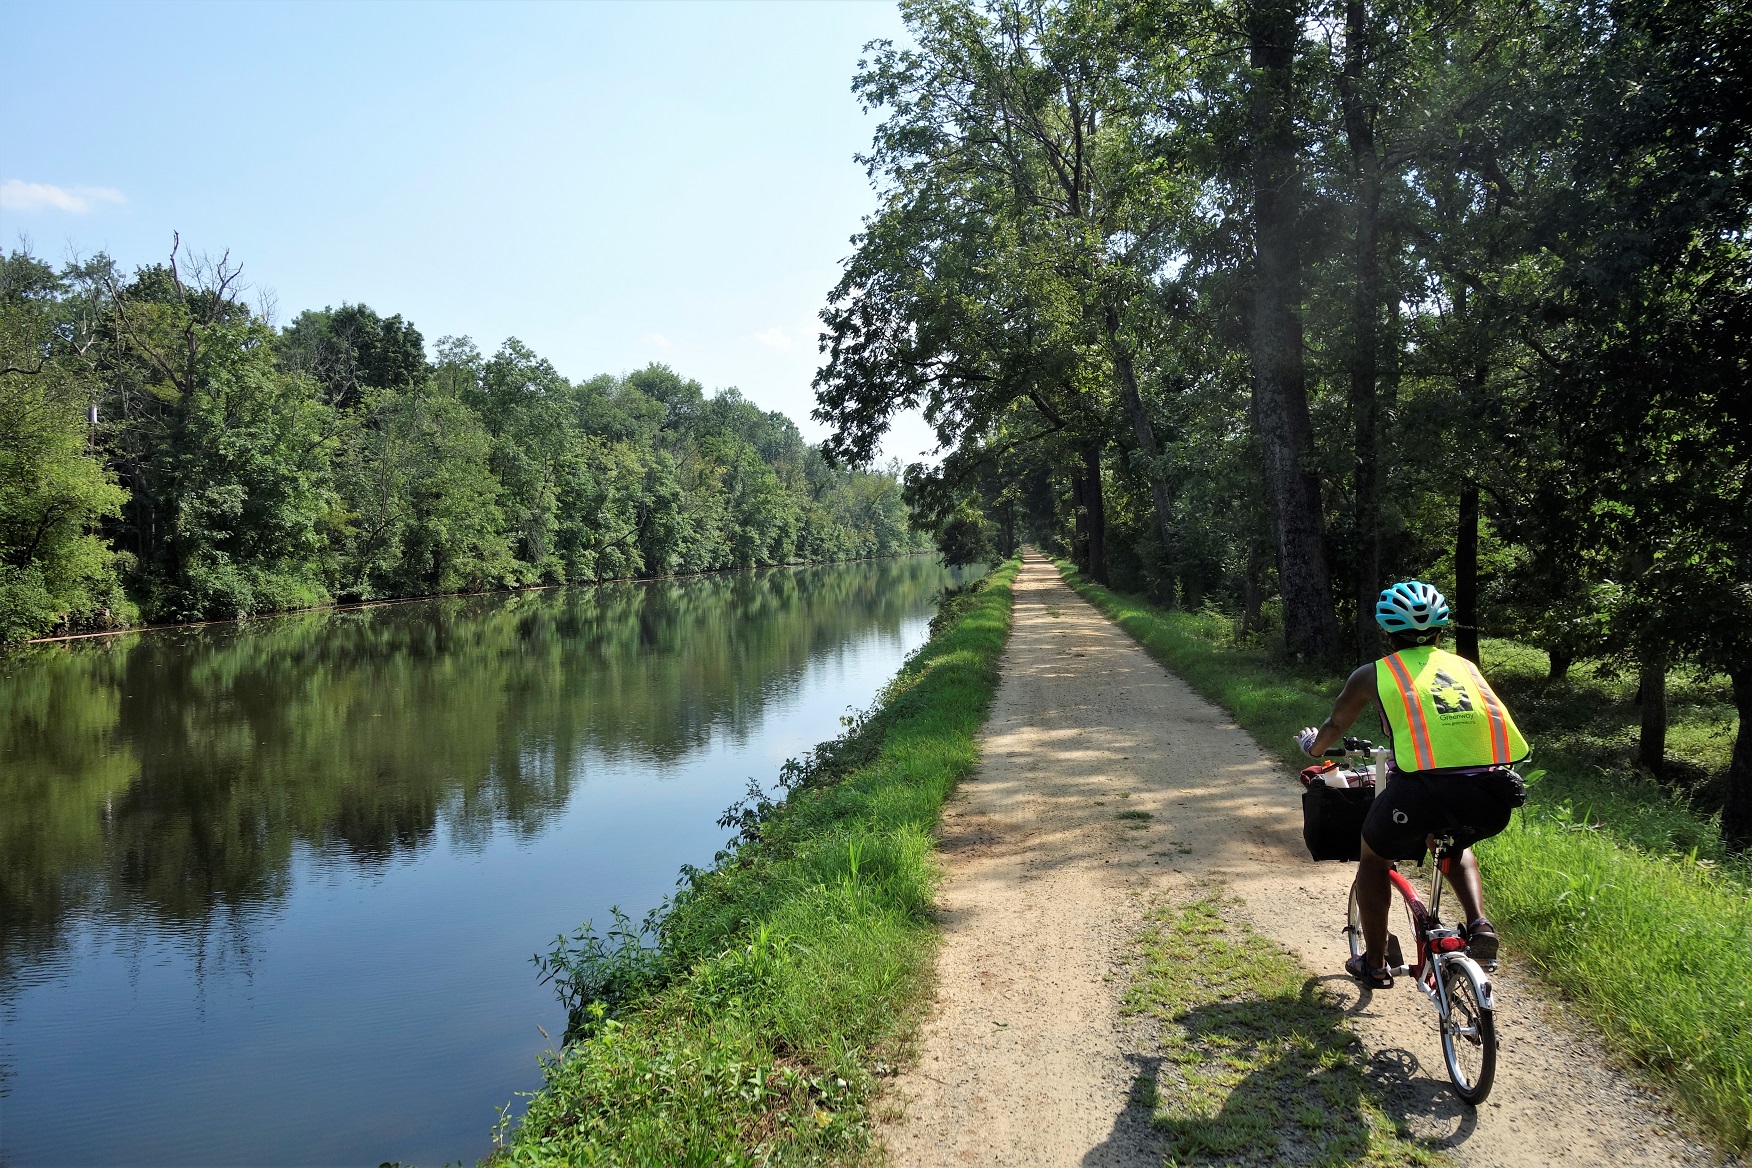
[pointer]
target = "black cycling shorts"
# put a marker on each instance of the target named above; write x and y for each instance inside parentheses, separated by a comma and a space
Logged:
(1468, 805)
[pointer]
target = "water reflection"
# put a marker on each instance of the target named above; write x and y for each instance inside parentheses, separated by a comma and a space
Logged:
(169, 789)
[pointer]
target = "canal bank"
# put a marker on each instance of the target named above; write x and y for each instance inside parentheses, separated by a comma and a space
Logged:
(787, 977)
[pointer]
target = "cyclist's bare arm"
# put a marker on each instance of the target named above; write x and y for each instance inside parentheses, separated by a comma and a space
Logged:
(1358, 692)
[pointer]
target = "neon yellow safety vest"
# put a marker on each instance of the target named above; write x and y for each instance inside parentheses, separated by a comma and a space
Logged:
(1442, 714)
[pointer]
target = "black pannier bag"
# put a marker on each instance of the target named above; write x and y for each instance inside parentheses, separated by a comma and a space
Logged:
(1332, 818)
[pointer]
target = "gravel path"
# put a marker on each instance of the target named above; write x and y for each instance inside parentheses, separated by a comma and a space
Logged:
(1026, 1061)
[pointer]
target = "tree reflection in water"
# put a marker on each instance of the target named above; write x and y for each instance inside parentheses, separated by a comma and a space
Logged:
(167, 778)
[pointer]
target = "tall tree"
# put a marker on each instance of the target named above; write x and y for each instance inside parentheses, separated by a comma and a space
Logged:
(1010, 151)
(1274, 331)
(54, 568)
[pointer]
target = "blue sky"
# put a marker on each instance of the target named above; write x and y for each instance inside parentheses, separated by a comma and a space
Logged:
(613, 184)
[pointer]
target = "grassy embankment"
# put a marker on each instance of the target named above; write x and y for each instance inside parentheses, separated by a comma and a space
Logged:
(785, 979)
(1609, 884)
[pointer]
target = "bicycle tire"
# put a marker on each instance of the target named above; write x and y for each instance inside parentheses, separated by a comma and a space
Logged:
(1353, 929)
(1469, 1043)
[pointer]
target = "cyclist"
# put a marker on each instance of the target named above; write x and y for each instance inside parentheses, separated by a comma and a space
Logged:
(1453, 745)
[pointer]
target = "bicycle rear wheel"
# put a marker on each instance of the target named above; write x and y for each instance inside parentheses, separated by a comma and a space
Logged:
(1469, 1044)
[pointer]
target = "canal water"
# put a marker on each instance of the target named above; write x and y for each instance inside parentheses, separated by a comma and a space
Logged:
(269, 891)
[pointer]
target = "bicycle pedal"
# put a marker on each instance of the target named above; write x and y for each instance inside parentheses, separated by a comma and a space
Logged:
(1395, 955)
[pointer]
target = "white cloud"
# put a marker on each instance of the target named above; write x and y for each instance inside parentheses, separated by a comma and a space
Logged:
(774, 338)
(658, 339)
(18, 195)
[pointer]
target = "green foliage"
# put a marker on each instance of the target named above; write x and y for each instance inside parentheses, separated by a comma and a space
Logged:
(1607, 886)
(964, 538)
(266, 471)
(243, 480)
(55, 572)
(350, 350)
(422, 512)
(785, 975)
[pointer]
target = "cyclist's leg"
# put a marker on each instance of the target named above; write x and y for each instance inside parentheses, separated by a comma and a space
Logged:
(1468, 888)
(1395, 828)
(1374, 898)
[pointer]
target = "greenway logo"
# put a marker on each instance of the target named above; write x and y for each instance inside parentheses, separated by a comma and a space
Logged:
(1448, 695)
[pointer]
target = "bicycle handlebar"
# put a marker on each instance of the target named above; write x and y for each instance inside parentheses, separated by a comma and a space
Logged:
(1351, 746)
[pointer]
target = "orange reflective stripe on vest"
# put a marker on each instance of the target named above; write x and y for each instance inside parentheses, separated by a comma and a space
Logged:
(1421, 750)
(1499, 718)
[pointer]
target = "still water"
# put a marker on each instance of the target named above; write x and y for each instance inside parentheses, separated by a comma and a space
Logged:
(268, 892)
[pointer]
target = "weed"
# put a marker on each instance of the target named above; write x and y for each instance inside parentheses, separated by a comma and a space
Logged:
(590, 969)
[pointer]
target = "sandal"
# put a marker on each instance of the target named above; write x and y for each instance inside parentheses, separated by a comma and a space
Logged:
(1376, 979)
(1481, 943)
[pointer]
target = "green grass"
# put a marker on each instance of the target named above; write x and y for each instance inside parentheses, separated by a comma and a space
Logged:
(786, 979)
(1608, 882)
(1258, 1066)
(1585, 727)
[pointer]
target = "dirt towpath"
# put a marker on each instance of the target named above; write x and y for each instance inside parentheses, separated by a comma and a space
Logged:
(1026, 1060)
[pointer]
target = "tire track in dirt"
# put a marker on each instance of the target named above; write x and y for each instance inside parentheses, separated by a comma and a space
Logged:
(1025, 1059)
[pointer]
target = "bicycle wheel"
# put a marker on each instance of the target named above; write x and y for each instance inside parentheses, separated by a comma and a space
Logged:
(1468, 1032)
(1353, 929)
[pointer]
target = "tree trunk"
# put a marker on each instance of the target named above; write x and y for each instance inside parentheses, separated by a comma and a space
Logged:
(1365, 309)
(1466, 575)
(1651, 747)
(1097, 513)
(1737, 814)
(1560, 664)
(1253, 586)
(1079, 524)
(1145, 433)
(1280, 391)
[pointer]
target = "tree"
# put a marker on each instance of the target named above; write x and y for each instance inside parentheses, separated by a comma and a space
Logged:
(227, 454)
(352, 349)
(1643, 383)
(1274, 329)
(1019, 225)
(55, 570)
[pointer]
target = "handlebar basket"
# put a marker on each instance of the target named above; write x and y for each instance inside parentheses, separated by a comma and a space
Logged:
(1332, 820)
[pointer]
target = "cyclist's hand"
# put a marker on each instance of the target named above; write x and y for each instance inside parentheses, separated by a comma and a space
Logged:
(1306, 738)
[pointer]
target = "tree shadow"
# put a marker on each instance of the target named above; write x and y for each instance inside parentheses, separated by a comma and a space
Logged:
(1279, 1079)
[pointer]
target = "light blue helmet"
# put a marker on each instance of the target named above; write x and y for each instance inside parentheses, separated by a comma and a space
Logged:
(1411, 607)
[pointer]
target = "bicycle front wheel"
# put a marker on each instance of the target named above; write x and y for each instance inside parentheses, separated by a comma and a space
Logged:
(1353, 929)
(1469, 1042)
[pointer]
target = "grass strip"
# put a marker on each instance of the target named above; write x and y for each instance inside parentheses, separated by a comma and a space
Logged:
(1258, 1065)
(783, 981)
(1651, 943)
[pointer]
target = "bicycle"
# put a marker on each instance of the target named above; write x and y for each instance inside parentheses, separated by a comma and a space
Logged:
(1450, 979)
